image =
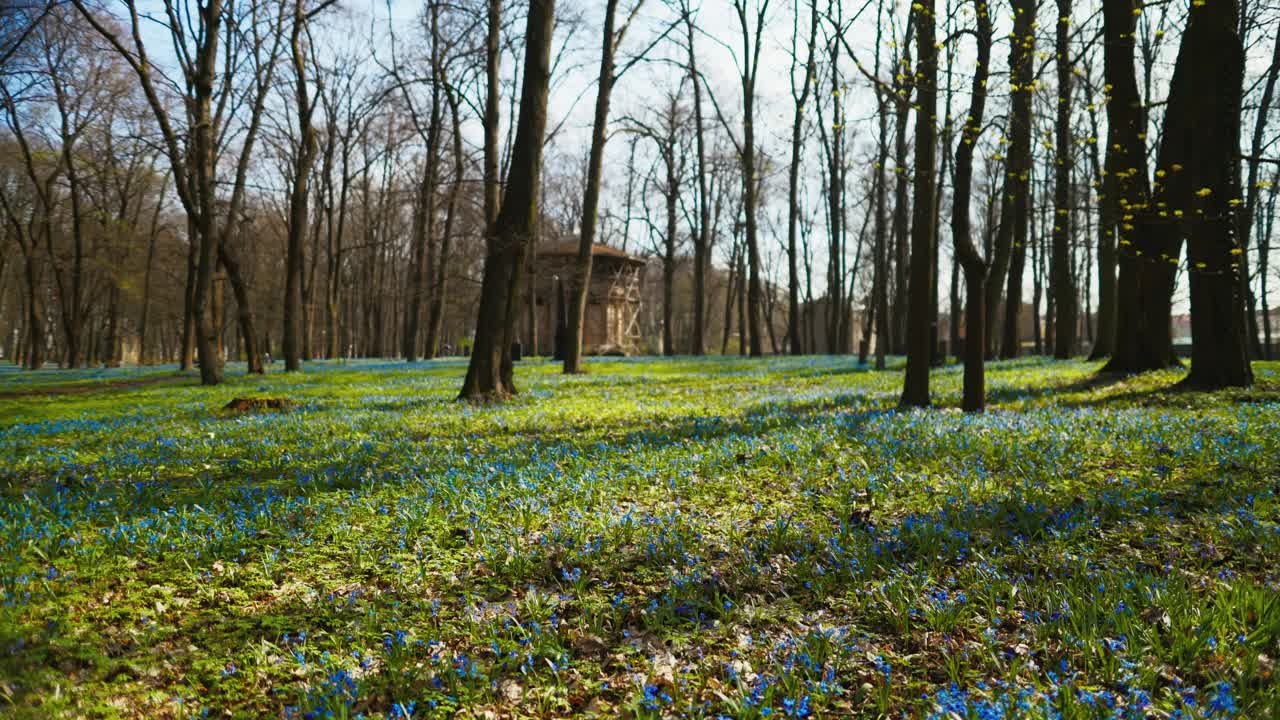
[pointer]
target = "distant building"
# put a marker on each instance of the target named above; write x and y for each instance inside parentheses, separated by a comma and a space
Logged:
(612, 322)
(1181, 328)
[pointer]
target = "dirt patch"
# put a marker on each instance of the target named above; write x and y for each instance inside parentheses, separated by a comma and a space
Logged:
(247, 405)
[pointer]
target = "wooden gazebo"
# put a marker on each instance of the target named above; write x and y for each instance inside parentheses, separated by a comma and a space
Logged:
(612, 322)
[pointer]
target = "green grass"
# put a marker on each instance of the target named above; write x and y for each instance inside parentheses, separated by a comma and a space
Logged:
(659, 538)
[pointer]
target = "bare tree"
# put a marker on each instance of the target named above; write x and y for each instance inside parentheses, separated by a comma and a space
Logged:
(666, 136)
(490, 374)
(1015, 209)
(702, 231)
(800, 96)
(1202, 128)
(915, 389)
(751, 23)
(1143, 300)
(197, 32)
(300, 193)
(976, 267)
(31, 221)
(1062, 279)
(1252, 191)
(591, 193)
(430, 130)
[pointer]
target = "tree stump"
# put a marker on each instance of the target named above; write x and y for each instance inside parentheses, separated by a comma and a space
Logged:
(243, 405)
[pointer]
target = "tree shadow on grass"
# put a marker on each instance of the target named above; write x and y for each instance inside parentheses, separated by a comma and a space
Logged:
(1155, 389)
(1139, 392)
(643, 434)
(1009, 524)
(1009, 394)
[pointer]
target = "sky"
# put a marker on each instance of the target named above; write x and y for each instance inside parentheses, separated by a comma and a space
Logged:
(646, 84)
(571, 103)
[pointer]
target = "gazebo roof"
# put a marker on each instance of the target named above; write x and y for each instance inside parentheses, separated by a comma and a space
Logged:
(597, 251)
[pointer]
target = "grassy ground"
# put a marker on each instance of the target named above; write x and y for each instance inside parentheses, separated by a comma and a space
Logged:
(656, 539)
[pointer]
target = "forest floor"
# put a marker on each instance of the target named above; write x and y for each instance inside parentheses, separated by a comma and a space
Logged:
(658, 538)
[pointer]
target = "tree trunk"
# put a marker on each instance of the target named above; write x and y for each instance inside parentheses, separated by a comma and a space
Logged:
(439, 289)
(144, 318)
(333, 289)
(1264, 253)
(1105, 333)
(244, 310)
(217, 313)
(1041, 337)
(298, 198)
(35, 314)
(1009, 251)
(187, 352)
(415, 282)
(1146, 258)
(1011, 330)
(489, 374)
(674, 167)
(668, 299)
(1203, 121)
(743, 318)
(1021, 158)
(1062, 285)
(880, 276)
(915, 389)
(701, 237)
(750, 65)
(581, 285)
(955, 310)
(794, 343)
(492, 114)
(975, 317)
(1246, 217)
(937, 355)
(966, 253)
(730, 294)
(70, 298)
(901, 215)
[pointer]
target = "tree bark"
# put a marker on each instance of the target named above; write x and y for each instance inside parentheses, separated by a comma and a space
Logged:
(975, 266)
(244, 310)
(439, 288)
(1246, 217)
(1010, 243)
(794, 343)
(915, 390)
(901, 216)
(743, 319)
(701, 236)
(1203, 124)
(1264, 253)
(731, 292)
(492, 114)
(1146, 258)
(35, 315)
(489, 374)
(70, 295)
(581, 286)
(424, 260)
(1105, 332)
(1062, 285)
(298, 198)
(880, 277)
(750, 181)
